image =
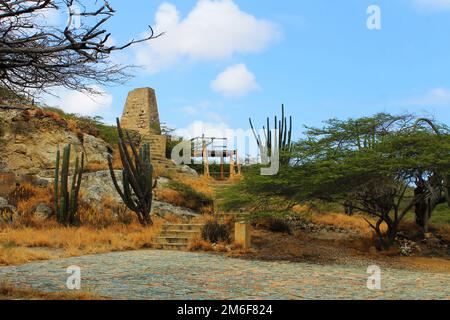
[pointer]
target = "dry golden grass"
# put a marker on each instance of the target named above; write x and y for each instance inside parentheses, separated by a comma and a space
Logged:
(179, 198)
(444, 231)
(8, 291)
(171, 196)
(27, 205)
(198, 244)
(355, 222)
(202, 219)
(201, 184)
(172, 218)
(24, 244)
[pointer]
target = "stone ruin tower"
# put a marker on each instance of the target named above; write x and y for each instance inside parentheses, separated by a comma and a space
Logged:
(141, 114)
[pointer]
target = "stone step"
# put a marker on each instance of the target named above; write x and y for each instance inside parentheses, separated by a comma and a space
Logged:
(233, 216)
(176, 236)
(171, 240)
(180, 233)
(169, 246)
(182, 227)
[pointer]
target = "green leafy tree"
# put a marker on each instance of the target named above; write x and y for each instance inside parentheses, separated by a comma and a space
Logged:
(375, 163)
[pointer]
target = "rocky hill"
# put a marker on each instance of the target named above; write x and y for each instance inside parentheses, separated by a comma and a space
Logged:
(30, 138)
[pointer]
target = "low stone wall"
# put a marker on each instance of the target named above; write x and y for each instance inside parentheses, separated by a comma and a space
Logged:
(157, 145)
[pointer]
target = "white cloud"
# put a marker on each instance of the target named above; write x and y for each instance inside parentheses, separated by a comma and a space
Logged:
(235, 81)
(202, 111)
(50, 17)
(80, 103)
(209, 129)
(437, 97)
(239, 139)
(433, 5)
(213, 30)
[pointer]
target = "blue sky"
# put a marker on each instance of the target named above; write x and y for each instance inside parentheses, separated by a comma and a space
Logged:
(223, 61)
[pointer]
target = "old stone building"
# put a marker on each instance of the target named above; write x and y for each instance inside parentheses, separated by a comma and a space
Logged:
(141, 114)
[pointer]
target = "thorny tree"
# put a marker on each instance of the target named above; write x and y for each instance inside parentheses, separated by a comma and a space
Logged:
(35, 55)
(384, 166)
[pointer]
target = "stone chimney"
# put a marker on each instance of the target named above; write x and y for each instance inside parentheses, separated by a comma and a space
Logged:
(141, 112)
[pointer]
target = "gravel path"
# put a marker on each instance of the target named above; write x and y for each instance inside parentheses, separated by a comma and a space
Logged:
(180, 275)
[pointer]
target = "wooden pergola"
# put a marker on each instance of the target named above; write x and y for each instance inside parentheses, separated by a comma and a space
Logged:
(211, 147)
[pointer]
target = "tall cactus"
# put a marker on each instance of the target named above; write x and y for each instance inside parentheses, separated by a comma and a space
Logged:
(137, 177)
(283, 136)
(66, 201)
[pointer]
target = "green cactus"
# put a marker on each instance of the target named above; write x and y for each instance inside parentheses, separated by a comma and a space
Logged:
(283, 134)
(137, 178)
(66, 201)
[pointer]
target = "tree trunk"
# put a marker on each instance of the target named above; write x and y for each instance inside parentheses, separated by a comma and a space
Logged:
(421, 207)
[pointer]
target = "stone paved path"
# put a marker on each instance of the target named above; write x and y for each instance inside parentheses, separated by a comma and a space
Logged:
(181, 275)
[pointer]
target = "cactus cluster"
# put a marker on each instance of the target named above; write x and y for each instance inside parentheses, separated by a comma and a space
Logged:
(137, 177)
(282, 136)
(66, 200)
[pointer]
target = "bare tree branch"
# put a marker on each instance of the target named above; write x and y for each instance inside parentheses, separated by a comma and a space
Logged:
(35, 56)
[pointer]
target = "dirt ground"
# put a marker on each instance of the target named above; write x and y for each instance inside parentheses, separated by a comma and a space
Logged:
(336, 248)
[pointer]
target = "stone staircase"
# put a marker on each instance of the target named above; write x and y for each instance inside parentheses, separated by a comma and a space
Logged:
(233, 216)
(176, 236)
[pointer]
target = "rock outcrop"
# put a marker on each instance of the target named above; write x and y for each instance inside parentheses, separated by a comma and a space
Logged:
(28, 142)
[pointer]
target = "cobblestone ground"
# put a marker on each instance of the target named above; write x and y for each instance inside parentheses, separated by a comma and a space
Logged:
(180, 275)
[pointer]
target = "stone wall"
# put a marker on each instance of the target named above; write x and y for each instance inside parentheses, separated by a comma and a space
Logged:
(157, 146)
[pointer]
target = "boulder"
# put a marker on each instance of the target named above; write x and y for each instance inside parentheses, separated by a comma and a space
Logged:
(42, 183)
(163, 208)
(28, 145)
(187, 171)
(162, 182)
(43, 211)
(99, 185)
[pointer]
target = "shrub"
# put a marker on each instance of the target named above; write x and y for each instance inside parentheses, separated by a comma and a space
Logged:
(198, 244)
(194, 199)
(124, 215)
(273, 224)
(214, 232)
(21, 192)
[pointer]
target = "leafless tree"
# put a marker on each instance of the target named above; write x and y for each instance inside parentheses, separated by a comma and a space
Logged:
(36, 56)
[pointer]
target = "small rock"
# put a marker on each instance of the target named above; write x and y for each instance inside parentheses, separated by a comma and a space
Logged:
(373, 250)
(42, 183)
(433, 243)
(43, 211)
(3, 202)
(187, 170)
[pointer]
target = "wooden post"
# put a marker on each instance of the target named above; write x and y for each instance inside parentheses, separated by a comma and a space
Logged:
(242, 234)
(205, 158)
(232, 170)
(222, 173)
(238, 165)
